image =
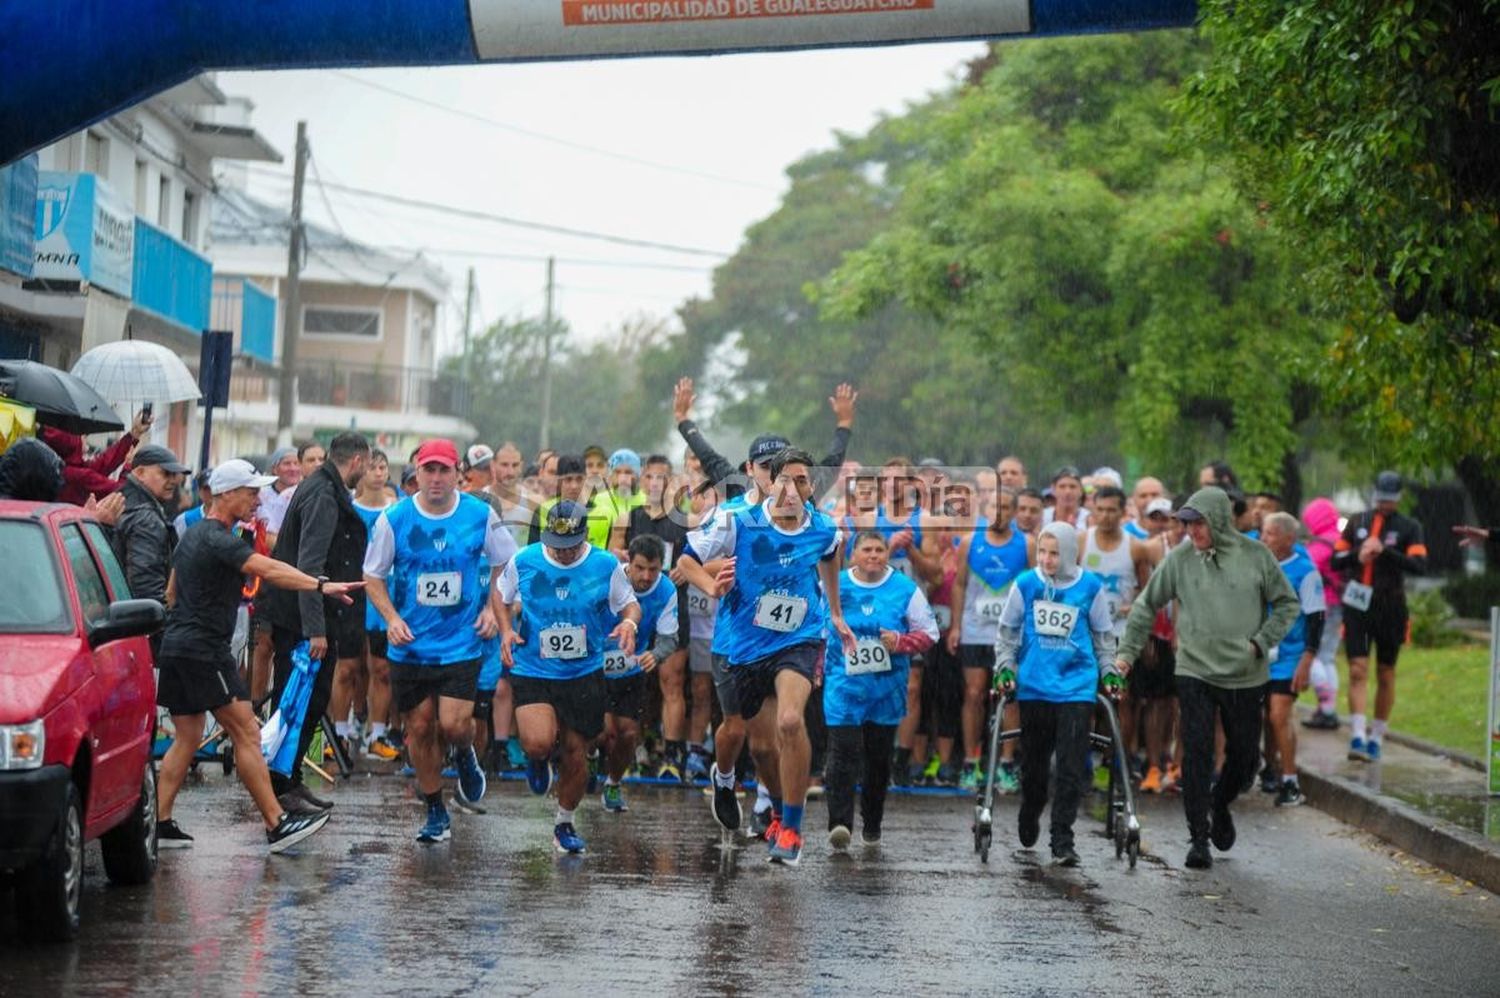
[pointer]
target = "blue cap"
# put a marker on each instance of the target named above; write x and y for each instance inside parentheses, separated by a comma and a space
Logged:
(625, 458)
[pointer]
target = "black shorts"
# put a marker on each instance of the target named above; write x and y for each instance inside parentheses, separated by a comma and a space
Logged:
(1381, 627)
(755, 681)
(578, 703)
(1280, 687)
(194, 686)
(1154, 674)
(977, 657)
(349, 631)
(378, 643)
(626, 697)
(412, 684)
(724, 684)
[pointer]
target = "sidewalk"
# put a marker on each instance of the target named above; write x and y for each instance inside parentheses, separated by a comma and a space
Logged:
(1431, 806)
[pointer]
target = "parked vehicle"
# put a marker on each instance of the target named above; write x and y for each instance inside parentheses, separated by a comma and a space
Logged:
(77, 712)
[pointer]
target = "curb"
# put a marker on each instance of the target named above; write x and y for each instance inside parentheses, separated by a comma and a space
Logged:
(1420, 744)
(1457, 850)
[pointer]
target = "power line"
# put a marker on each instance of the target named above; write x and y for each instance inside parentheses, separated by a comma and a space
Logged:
(485, 216)
(556, 140)
(573, 262)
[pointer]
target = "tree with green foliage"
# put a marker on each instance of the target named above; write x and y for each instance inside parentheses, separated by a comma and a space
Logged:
(1369, 132)
(1116, 279)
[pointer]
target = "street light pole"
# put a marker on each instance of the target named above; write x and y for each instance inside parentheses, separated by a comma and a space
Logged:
(546, 433)
(291, 320)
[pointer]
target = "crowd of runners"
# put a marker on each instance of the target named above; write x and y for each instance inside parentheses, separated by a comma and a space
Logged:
(794, 621)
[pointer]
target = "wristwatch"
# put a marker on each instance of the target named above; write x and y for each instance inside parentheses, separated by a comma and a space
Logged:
(322, 581)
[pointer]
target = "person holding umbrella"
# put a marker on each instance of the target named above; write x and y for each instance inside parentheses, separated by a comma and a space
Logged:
(85, 478)
(198, 673)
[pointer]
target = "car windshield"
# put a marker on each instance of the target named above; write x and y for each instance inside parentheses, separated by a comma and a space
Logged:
(31, 595)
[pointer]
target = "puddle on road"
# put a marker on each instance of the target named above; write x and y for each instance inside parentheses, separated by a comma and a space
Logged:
(1478, 814)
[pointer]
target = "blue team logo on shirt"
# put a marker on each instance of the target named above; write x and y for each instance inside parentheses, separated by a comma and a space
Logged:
(561, 591)
(868, 609)
(440, 542)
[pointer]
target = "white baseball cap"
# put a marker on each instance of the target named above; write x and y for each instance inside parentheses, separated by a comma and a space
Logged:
(237, 474)
(1158, 505)
(479, 456)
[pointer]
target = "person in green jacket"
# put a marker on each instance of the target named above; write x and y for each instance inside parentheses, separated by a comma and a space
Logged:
(1234, 605)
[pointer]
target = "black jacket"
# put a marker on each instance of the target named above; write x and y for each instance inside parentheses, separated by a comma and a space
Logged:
(144, 541)
(321, 535)
(731, 479)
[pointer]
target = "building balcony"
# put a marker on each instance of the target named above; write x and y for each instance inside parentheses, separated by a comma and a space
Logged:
(370, 388)
(170, 278)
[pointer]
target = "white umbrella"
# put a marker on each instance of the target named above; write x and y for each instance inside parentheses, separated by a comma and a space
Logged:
(136, 371)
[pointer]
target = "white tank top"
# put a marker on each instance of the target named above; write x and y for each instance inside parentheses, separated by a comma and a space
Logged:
(1117, 569)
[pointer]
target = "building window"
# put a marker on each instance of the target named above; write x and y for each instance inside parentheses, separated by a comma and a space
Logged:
(142, 180)
(189, 218)
(96, 155)
(351, 323)
(164, 203)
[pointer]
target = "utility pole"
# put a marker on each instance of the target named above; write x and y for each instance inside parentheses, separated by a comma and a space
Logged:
(468, 324)
(547, 364)
(291, 319)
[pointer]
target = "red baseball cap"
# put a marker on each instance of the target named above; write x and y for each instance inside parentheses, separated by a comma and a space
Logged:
(437, 452)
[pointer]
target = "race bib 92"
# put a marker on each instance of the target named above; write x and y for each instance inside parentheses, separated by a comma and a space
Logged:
(563, 641)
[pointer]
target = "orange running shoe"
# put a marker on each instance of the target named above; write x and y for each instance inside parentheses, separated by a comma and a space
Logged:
(1151, 782)
(788, 847)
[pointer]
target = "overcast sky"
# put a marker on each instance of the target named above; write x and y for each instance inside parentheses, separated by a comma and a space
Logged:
(715, 133)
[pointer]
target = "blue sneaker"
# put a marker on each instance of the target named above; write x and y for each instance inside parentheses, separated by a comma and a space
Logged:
(539, 776)
(438, 825)
(613, 798)
(697, 766)
(566, 838)
(1359, 750)
(1372, 750)
(471, 780)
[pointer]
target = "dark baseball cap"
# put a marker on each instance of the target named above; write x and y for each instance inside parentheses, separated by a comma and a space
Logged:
(1388, 486)
(160, 456)
(767, 446)
(569, 464)
(567, 525)
(1188, 514)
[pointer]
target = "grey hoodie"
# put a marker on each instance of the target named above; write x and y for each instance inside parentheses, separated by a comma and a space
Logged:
(1234, 602)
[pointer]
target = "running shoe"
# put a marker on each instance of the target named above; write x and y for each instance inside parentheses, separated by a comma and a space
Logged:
(972, 778)
(1270, 781)
(1198, 857)
(471, 780)
(760, 822)
(933, 767)
(565, 839)
(838, 838)
(1290, 795)
(1372, 749)
(1028, 827)
(869, 837)
(1172, 783)
(613, 798)
(293, 828)
(1359, 750)
(669, 771)
(697, 766)
(169, 835)
(1151, 782)
(382, 749)
(1322, 720)
(815, 788)
(725, 805)
(1065, 856)
(787, 849)
(1006, 780)
(437, 827)
(1221, 829)
(947, 776)
(773, 832)
(539, 776)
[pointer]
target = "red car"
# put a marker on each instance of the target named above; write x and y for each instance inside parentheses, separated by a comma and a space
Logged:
(77, 710)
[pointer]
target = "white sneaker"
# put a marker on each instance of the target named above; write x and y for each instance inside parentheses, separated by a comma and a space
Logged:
(838, 838)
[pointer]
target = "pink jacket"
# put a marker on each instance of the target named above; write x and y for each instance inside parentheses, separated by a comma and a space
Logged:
(1321, 518)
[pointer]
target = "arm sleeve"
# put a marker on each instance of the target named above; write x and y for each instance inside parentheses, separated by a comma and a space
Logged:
(113, 457)
(90, 481)
(921, 626)
(1310, 594)
(499, 545)
(666, 631)
(1412, 556)
(1101, 628)
(1314, 634)
(318, 522)
(620, 593)
(1008, 634)
(840, 446)
(715, 465)
(381, 552)
(1160, 590)
(508, 584)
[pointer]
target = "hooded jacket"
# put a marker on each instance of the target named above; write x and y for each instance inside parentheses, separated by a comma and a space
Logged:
(1321, 518)
(1234, 602)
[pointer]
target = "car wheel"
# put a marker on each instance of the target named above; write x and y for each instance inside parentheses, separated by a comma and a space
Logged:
(130, 847)
(48, 892)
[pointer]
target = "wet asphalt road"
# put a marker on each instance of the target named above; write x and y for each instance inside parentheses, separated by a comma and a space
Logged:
(1302, 904)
